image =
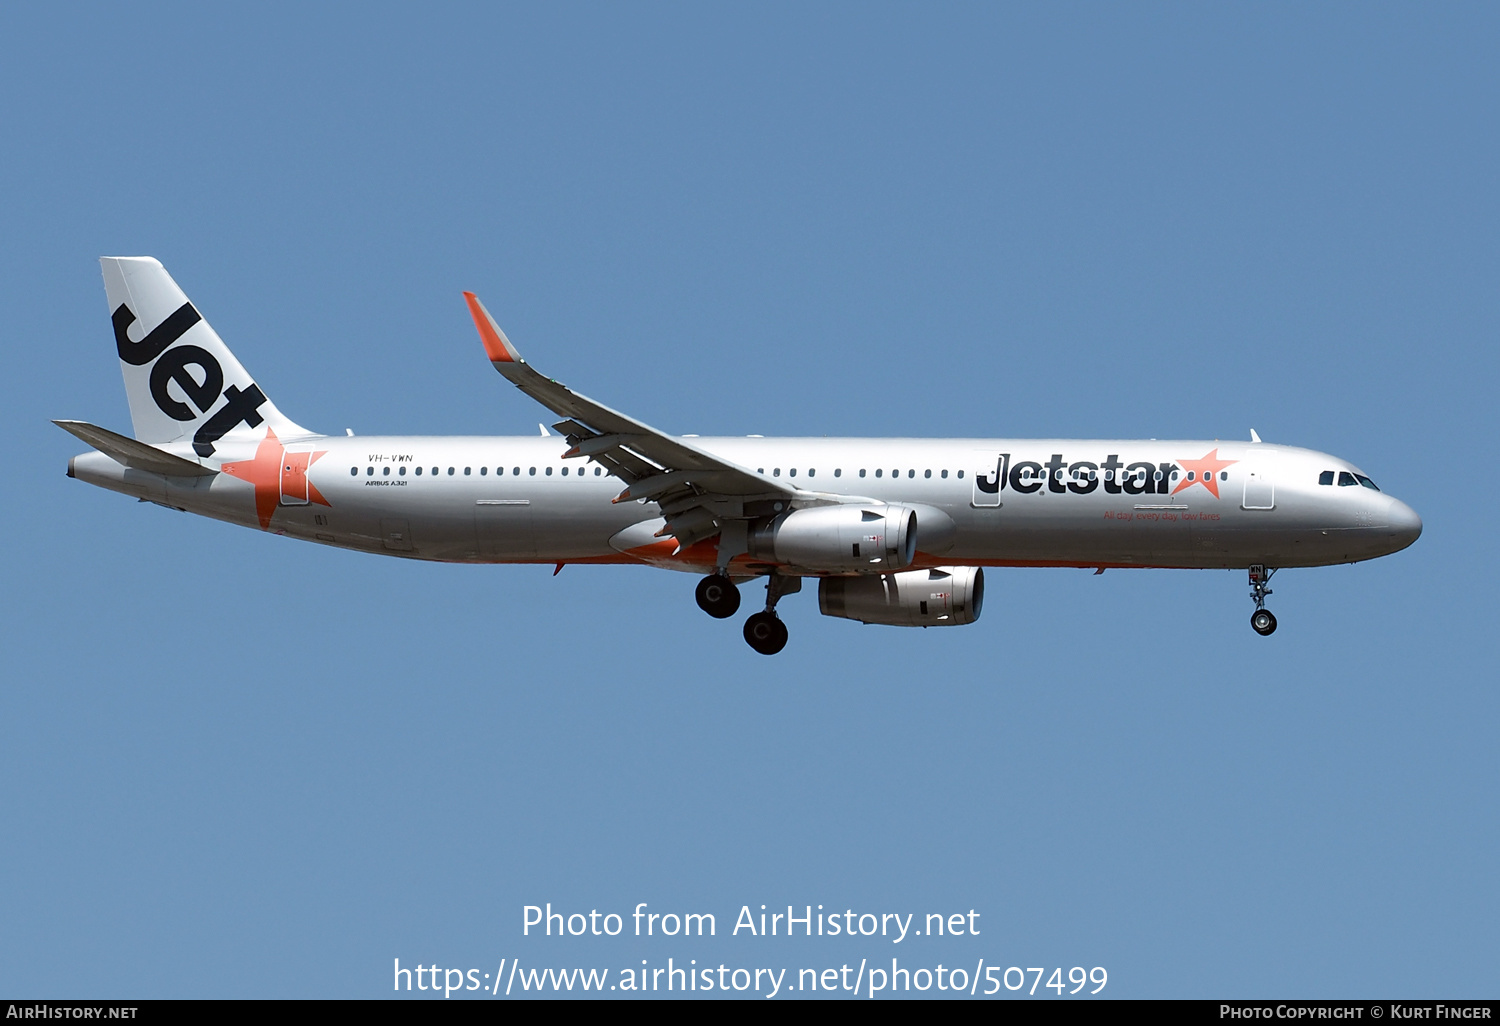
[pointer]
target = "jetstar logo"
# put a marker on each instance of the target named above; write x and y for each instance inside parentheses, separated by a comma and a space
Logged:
(202, 388)
(1205, 472)
(278, 476)
(1080, 477)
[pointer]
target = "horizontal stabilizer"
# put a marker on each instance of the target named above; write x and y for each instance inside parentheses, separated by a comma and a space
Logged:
(134, 454)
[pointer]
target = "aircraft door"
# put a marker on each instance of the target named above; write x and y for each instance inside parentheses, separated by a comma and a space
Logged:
(989, 470)
(503, 528)
(1260, 489)
(294, 478)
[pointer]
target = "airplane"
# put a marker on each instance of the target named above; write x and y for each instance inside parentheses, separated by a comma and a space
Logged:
(896, 531)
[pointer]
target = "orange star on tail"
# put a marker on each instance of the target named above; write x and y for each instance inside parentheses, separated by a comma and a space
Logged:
(1204, 471)
(275, 472)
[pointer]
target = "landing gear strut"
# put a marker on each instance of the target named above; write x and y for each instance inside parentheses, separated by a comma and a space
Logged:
(718, 597)
(764, 631)
(1262, 621)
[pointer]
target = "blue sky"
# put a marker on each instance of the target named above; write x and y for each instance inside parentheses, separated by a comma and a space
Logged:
(236, 765)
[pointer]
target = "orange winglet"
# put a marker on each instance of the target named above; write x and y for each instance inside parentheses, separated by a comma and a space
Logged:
(496, 345)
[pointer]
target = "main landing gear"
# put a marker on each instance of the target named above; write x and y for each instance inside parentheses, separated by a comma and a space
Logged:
(718, 597)
(1262, 621)
(765, 632)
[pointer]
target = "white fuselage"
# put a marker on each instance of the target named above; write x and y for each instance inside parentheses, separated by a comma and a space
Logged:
(1013, 502)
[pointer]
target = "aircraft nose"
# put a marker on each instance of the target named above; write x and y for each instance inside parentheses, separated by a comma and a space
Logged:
(1406, 526)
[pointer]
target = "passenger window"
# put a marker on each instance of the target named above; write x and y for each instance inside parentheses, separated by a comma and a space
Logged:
(401, 471)
(960, 475)
(878, 472)
(913, 473)
(812, 472)
(419, 471)
(516, 471)
(450, 471)
(776, 472)
(353, 471)
(386, 472)
(549, 471)
(792, 472)
(369, 472)
(532, 472)
(838, 471)
(483, 471)
(1223, 475)
(1346, 479)
(466, 472)
(434, 471)
(598, 471)
(943, 474)
(861, 471)
(1325, 478)
(926, 473)
(564, 471)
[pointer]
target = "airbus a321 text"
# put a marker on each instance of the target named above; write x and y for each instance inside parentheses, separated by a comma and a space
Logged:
(896, 531)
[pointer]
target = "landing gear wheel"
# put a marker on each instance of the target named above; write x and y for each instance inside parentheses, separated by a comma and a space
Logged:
(765, 633)
(1261, 621)
(718, 596)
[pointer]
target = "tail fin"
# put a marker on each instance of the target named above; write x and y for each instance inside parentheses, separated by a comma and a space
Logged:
(181, 379)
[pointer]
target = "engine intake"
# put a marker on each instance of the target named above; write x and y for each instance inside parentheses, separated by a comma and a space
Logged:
(865, 538)
(942, 597)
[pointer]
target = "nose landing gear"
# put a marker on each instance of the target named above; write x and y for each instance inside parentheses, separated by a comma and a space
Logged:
(1262, 621)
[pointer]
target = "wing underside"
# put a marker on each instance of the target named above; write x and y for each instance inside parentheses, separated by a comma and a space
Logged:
(700, 495)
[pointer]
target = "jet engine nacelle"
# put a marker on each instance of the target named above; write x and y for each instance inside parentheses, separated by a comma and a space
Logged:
(947, 596)
(865, 538)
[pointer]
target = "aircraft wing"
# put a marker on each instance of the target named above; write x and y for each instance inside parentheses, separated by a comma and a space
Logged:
(697, 491)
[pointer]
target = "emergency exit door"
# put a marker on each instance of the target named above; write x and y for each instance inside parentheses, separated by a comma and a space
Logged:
(989, 472)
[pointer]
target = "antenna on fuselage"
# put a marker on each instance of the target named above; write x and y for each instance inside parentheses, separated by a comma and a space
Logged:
(1253, 436)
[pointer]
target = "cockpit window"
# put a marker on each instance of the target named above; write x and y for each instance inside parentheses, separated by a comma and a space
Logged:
(1325, 478)
(1346, 479)
(1366, 481)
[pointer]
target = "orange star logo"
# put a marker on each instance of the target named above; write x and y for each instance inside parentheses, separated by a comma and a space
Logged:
(1204, 472)
(276, 473)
